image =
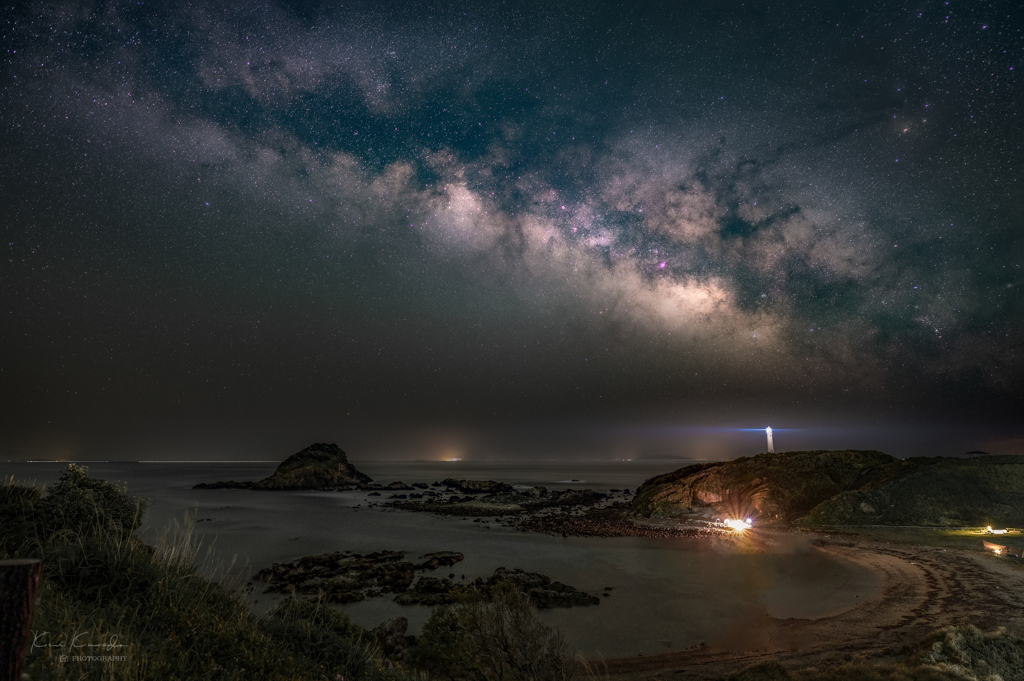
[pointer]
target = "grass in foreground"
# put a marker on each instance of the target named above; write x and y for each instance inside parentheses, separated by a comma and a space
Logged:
(146, 613)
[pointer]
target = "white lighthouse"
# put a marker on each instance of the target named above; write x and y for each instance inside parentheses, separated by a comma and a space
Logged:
(771, 447)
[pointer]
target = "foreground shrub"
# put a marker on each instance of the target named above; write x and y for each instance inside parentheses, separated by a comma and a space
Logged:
(82, 504)
(77, 504)
(324, 637)
(499, 639)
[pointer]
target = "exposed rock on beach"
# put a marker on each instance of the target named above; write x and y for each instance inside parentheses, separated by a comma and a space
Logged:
(317, 467)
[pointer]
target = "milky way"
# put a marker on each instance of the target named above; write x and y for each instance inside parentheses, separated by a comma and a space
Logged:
(228, 228)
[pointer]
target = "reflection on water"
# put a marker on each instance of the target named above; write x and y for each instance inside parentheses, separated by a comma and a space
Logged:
(666, 594)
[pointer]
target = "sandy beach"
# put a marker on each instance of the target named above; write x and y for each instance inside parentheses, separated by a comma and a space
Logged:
(922, 589)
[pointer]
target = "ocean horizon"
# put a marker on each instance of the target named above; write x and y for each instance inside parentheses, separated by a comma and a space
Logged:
(666, 594)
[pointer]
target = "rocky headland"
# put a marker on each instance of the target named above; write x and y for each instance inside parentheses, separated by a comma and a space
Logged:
(827, 488)
(318, 467)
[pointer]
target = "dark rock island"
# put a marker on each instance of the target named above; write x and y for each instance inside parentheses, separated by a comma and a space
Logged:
(843, 488)
(320, 466)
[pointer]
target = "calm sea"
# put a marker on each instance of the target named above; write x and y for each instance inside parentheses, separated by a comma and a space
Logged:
(667, 594)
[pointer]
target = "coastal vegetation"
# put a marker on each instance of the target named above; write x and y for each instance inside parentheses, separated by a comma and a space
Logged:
(145, 611)
(112, 607)
(492, 637)
(931, 491)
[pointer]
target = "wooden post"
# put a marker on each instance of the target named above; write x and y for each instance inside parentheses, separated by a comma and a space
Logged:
(19, 584)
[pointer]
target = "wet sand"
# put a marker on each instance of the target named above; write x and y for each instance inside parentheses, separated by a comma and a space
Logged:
(921, 589)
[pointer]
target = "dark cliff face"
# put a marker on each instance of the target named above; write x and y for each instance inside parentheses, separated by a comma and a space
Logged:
(771, 487)
(319, 466)
(844, 488)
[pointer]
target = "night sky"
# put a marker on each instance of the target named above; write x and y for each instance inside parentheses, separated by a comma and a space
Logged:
(510, 229)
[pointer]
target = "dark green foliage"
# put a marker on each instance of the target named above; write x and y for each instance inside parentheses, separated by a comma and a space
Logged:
(490, 640)
(77, 504)
(936, 492)
(82, 504)
(325, 637)
(146, 606)
(439, 651)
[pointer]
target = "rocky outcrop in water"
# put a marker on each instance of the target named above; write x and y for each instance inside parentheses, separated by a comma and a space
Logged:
(504, 502)
(392, 486)
(543, 593)
(320, 466)
(478, 486)
(351, 577)
(427, 591)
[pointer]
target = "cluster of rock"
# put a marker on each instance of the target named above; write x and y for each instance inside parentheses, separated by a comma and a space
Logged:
(478, 486)
(617, 520)
(543, 592)
(350, 577)
(320, 466)
(489, 498)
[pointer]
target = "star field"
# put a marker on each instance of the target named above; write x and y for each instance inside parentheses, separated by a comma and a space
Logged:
(232, 227)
